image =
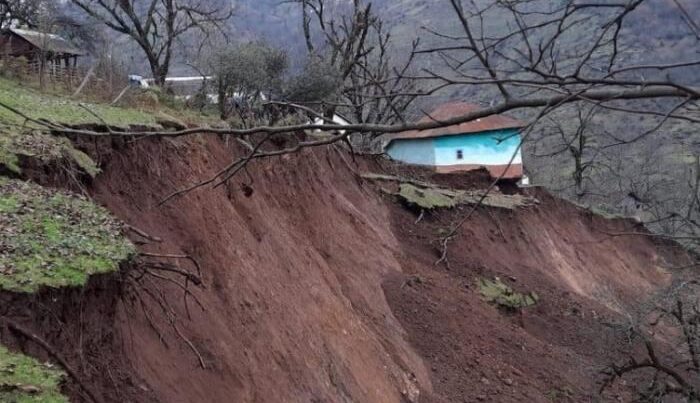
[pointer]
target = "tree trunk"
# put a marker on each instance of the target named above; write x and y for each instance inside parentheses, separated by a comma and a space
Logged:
(223, 110)
(159, 77)
(160, 72)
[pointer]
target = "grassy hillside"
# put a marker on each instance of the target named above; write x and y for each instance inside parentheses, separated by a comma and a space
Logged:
(54, 239)
(50, 238)
(25, 380)
(61, 109)
(47, 237)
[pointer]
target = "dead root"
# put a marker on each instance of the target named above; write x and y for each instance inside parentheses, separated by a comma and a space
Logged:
(145, 291)
(143, 234)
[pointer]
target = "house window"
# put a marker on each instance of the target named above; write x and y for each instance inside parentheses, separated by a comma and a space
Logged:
(460, 154)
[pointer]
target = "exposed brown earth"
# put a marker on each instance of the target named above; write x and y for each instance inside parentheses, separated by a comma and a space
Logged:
(320, 288)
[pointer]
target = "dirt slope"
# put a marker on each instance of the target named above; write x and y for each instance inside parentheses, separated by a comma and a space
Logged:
(294, 304)
(588, 284)
(320, 288)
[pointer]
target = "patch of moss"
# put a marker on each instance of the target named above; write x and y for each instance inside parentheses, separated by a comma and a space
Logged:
(8, 159)
(82, 160)
(45, 147)
(25, 380)
(429, 197)
(559, 394)
(497, 292)
(54, 239)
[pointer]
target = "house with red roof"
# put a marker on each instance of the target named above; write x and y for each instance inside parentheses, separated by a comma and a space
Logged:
(492, 142)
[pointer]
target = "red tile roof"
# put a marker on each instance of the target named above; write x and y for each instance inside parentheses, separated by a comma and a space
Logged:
(453, 109)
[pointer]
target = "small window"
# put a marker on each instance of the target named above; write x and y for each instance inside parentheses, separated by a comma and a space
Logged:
(460, 154)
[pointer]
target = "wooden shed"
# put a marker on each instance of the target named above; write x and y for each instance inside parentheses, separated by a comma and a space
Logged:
(38, 47)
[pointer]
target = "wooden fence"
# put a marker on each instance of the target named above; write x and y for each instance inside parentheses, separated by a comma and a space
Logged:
(65, 78)
(59, 74)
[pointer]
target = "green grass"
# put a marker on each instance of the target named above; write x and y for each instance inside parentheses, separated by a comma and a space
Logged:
(8, 157)
(54, 239)
(25, 380)
(57, 109)
(50, 149)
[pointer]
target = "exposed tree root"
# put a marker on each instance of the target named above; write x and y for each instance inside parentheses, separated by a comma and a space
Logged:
(143, 234)
(144, 288)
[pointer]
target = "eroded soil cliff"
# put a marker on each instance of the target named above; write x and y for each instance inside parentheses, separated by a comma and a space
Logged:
(320, 287)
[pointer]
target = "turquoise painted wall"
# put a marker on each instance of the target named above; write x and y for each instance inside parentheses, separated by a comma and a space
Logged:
(488, 148)
(413, 151)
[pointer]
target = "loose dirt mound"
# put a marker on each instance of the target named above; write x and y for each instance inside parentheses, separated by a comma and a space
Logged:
(319, 288)
(587, 283)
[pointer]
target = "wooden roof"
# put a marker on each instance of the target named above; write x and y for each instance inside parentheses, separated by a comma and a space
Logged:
(48, 42)
(453, 109)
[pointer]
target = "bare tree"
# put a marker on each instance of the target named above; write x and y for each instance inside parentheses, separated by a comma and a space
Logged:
(570, 133)
(356, 45)
(19, 12)
(156, 25)
(535, 62)
(667, 367)
(654, 179)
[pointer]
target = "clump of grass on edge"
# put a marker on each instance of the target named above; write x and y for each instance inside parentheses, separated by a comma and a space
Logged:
(54, 239)
(47, 148)
(25, 380)
(8, 158)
